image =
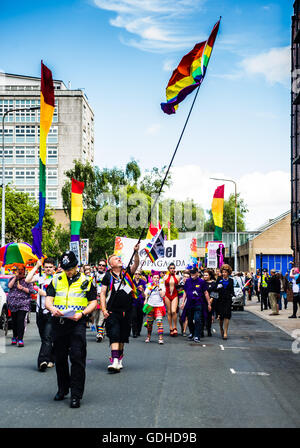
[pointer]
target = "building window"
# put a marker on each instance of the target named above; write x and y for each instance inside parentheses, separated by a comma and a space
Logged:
(29, 155)
(5, 105)
(20, 155)
(20, 134)
(52, 156)
(30, 177)
(8, 176)
(8, 154)
(52, 197)
(8, 135)
(29, 116)
(52, 136)
(20, 177)
(51, 177)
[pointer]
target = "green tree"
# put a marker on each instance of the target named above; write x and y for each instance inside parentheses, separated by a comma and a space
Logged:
(229, 215)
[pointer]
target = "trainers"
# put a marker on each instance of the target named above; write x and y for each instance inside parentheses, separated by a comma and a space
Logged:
(93, 328)
(114, 366)
(160, 341)
(50, 364)
(43, 366)
(14, 341)
(197, 340)
(99, 338)
(190, 337)
(20, 343)
(121, 363)
(292, 317)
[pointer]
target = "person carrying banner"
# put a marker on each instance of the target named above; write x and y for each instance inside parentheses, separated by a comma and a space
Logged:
(171, 298)
(154, 306)
(118, 285)
(72, 292)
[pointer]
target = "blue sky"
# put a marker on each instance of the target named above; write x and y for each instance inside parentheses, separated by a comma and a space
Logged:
(123, 53)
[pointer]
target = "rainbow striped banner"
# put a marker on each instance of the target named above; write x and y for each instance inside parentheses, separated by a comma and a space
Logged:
(46, 115)
(190, 73)
(217, 208)
(76, 208)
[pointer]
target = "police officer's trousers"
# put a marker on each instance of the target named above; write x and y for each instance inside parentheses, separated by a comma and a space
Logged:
(69, 339)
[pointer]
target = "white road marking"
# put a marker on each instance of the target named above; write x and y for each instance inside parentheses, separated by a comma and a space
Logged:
(249, 373)
(242, 348)
(203, 345)
(222, 347)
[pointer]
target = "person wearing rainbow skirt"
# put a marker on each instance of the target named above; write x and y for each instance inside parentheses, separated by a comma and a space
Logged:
(117, 294)
(154, 306)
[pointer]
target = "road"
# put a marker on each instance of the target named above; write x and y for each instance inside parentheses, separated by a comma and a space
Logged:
(249, 381)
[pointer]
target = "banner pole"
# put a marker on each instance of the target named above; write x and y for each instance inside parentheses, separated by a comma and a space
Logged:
(163, 183)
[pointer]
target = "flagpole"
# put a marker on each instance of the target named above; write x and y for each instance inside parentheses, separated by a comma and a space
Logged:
(163, 182)
(166, 175)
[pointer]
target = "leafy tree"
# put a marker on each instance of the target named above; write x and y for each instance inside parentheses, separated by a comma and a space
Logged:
(21, 215)
(229, 215)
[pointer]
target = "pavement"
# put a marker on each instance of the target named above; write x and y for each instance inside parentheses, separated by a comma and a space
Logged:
(248, 381)
(281, 321)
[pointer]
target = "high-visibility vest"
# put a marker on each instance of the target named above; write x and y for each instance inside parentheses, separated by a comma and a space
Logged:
(71, 296)
(264, 284)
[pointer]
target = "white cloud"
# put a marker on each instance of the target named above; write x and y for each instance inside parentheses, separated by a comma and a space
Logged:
(274, 65)
(156, 24)
(267, 195)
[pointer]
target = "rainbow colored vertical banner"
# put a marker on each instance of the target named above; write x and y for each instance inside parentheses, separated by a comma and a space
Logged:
(76, 208)
(217, 208)
(46, 116)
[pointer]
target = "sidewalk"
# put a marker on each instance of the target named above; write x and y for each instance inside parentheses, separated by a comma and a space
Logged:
(281, 321)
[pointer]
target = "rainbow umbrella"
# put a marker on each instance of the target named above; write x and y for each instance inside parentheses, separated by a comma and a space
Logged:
(16, 254)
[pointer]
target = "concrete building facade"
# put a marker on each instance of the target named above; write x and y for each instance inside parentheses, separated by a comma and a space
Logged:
(71, 135)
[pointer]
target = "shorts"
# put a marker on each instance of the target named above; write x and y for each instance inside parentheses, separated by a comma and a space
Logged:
(118, 327)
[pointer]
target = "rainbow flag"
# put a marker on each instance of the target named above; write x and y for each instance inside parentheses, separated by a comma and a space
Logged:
(76, 208)
(152, 231)
(190, 73)
(156, 248)
(128, 280)
(46, 114)
(217, 208)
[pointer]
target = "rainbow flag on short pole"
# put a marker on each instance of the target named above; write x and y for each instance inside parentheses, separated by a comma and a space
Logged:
(190, 73)
(76, 208)
(156, 248)
(217, 208)
(46, 115)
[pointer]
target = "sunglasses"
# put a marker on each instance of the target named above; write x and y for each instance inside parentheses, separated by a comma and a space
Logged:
(102, 265)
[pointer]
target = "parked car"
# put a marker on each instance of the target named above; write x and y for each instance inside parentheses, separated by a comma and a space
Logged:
(5, 314)
(238, 299)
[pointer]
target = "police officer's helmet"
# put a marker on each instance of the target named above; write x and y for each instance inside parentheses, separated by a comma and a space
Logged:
(68, 260)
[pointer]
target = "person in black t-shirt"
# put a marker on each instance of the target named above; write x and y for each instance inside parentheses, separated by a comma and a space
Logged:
(117, 310)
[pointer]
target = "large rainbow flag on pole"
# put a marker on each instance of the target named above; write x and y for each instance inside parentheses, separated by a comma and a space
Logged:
(76, 208)
(46, 115)
(217, 208)
(190, 73)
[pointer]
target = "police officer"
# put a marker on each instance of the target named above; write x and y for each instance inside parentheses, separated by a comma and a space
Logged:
(72, 291)
(263, 288)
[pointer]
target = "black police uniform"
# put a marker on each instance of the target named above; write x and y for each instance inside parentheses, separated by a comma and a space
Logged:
(69, 339)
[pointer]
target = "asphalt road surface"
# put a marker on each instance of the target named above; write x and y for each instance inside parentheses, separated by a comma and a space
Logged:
(249, 381)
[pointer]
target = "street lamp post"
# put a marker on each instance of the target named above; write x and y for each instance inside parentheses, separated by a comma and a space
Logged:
(3, 169)
(235, 220)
